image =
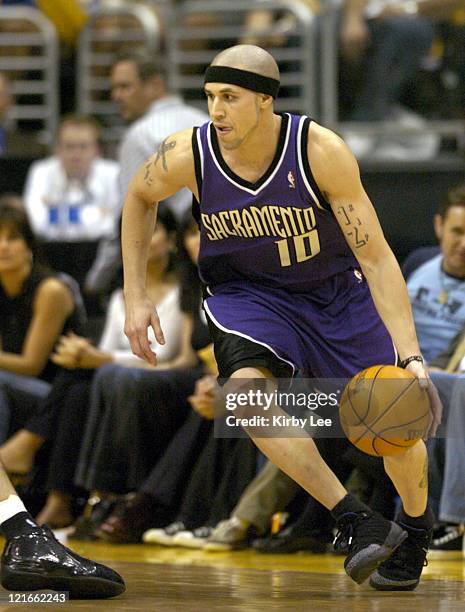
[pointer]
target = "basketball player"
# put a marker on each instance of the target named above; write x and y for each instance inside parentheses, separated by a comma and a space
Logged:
(299, 277)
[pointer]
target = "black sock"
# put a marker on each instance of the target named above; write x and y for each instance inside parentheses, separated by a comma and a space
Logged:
(349, 503)
(425, 521)
(19, 524)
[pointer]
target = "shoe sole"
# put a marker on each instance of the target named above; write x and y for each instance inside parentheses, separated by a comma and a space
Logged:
(367, 560)
(78, 587)
(218, 547)
(160, 542)
(392, 585)
(193, 544)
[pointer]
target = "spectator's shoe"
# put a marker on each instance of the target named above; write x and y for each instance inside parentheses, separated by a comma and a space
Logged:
(192, 539)
(230, 534)
(134, 514)
(95, 512)
(369, 539)
(447, 537)
(402, 571)
(288, 540)
(37, 561)
(164, 536)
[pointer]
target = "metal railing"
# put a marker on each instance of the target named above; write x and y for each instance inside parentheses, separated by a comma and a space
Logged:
(29, 56)
(113, 28)
(192, 44)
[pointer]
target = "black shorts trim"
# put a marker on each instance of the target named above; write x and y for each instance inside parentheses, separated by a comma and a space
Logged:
(233, 352)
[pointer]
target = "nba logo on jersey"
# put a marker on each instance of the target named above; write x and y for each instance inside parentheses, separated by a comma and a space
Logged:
(291, 179)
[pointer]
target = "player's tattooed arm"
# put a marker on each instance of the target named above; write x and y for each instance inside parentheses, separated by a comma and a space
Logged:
(148, 176)
(162, 151)
(153, 161)
(352, 226)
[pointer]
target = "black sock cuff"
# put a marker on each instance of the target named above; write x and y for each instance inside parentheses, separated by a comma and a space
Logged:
(425, 521)
(19, 524)
(349, 503)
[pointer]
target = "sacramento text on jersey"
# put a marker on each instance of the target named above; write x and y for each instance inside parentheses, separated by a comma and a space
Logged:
(251, 222)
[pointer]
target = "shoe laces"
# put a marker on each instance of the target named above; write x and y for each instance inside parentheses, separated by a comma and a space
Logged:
(346, 526)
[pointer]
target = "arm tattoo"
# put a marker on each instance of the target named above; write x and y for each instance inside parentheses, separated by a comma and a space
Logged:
(423, 484)
(161, 153)
(147, 176)
(353, 225)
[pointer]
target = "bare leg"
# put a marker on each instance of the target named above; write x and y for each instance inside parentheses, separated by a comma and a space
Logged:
(409, 473)
(19, 451)
(57, 510)
(296, 455)
(6, 488)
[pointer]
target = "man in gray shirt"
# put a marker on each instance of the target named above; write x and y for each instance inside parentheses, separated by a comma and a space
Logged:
(138, 86)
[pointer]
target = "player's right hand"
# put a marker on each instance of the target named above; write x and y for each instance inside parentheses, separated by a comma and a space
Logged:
(140, 315)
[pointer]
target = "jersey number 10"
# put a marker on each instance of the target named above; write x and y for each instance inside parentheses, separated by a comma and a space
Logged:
(306, 246)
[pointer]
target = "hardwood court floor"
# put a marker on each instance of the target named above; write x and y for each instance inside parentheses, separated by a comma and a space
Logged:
(161, 579)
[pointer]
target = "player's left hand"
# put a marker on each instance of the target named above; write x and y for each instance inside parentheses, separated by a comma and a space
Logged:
(419, 370)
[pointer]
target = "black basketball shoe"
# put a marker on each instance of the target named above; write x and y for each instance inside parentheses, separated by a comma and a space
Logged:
(37, 561)
(402, 571)
(369, 539)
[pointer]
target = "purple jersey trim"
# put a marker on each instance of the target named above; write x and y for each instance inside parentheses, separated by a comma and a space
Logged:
(276, 169)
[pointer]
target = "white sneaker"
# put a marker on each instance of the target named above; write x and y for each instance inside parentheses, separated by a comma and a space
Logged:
(230, 534)
(411, 147)
(419, 145)
(163, 536)
(361, 145)
(192, 539)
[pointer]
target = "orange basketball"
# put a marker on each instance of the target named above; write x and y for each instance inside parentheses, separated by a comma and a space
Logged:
(383, 410)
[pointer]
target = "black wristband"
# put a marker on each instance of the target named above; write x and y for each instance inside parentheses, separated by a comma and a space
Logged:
(404, 363)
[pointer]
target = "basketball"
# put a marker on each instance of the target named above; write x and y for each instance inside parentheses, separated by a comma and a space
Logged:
(384, 411)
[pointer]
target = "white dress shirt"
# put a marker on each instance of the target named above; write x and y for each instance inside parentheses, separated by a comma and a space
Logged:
(70, 210)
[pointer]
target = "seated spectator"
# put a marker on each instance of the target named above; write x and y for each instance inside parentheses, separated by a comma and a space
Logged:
(445, 296)
(214, 480)
(194, 484)
(388, 37)
(437, 287)
(437, 292)
(63, 411)
(36, 306)
(72, 197)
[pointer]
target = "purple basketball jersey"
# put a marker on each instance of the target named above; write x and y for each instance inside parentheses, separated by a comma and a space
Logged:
(276, 264)
(279, 231)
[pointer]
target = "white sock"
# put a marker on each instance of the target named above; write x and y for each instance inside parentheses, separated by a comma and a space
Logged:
(10, 507)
